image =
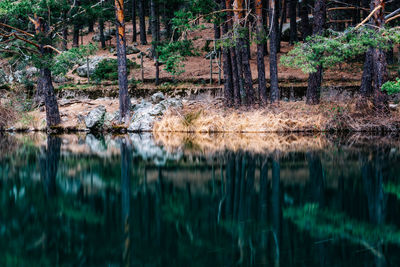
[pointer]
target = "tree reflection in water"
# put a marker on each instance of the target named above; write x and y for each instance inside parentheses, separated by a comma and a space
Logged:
(303, 208)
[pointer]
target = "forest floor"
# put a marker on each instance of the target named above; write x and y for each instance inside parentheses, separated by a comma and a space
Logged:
(203, 110)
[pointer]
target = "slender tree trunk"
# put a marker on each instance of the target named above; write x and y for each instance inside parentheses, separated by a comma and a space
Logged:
(283, 9)
(379, 60)
(245, 58)
(142, 17)
(65, 32)
(315, 79)
(75, 38)
(265, 15)
(154, 33)
(101, 30)
(134, 31)
(91, 25)
(306, 29)
(293, 22)
(262, 83)
(273, 57)
(227, 65)
(124, 99)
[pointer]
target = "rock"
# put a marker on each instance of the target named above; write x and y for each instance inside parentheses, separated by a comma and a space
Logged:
(157, 97)
(393, 106)
(95, 119)
(132, 50)
(31, 71)
(141, 122)
(93, 62)
(60, 79)
(110, 119)
(172, 103)
(145, 147)
(110, 32)
(111, 50)
(96, 37)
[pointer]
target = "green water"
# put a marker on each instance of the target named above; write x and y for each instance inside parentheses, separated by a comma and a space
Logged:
(126, 201)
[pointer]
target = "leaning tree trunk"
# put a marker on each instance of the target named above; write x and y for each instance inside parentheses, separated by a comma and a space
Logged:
(134, 32)
(45, 83)
(124, 99)
(143, 39)
(315, 79)
(380, 75)
(273, 57)
(262, 83)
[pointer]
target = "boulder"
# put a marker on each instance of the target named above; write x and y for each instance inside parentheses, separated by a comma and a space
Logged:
(110, 119)
(96, 37)
(172, 103)
(95, 119)
(157, 97)
(93, 62)
(132, 50)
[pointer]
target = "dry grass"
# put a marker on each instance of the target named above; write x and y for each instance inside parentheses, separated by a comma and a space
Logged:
(252, 142)
(7, 115)
(204, 117)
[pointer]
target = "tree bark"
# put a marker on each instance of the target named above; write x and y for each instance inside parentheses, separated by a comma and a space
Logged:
(227, 66)
(293, 22)
(379, 60)
(124, 99)
(65, 32)
(75, 38)
(306, 29)
(244, 58)
(154, 33)
(315, 79)
(273, 57)
(262, 83)
(366, 81)
(101, 30)
(143, 39)
(134, 31)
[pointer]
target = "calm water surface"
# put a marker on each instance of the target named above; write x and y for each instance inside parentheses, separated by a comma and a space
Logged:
(126, 201)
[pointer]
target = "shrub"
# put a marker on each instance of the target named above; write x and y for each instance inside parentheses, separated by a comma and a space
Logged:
(108, 69)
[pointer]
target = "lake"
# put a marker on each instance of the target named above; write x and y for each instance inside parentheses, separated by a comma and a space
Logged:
(199, 200)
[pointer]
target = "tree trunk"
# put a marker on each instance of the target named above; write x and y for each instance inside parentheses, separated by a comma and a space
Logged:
(154, 33)
(262, 83)
(52, 113)
(124, 99)
(244, 59)
(293, 22)
(315, 79)
(282, 16)
(366, 81)
(75, 38)
(273, 58)
(379, 61)
(143, 39)
(134, 32)
(305, 22)
(65, 32)
(101, 30)
(91, 26)
(265, 15)
(227, 65)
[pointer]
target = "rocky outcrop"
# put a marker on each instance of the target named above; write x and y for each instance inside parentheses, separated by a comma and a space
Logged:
(93, 63)
(95, 119)
(146, 113)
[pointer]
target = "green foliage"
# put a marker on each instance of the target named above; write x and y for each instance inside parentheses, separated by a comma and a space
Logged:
(108, 69)
(172, 55)
(392, 87)
(66, 60)
(335, 47)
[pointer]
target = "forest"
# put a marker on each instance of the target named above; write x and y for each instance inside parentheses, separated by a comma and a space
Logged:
(199, 66)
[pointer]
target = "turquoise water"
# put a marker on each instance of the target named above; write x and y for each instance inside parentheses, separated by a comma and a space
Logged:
(128, 201)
